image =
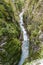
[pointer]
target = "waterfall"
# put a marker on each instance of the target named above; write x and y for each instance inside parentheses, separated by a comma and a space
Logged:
(25, 45)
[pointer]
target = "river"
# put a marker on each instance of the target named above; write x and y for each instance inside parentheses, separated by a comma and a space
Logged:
(25, 43)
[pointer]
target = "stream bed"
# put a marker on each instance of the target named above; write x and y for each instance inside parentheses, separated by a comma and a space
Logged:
(25, 43)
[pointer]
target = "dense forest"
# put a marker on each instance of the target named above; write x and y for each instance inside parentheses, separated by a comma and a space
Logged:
(11, 35)
(10, 45)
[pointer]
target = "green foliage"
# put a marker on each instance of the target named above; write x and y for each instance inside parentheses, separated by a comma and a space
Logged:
(41, 27)
(10, 55)
(10, 51)
(19, 4)
(33, 19)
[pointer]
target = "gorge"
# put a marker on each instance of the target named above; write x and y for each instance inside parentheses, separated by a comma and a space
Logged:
(21, 32)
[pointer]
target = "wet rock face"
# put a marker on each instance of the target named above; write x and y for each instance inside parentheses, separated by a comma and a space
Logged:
(35, 62)
(21, 37)
(41, 37)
